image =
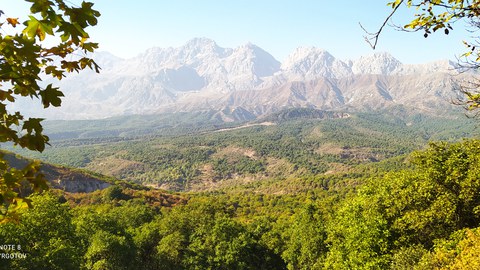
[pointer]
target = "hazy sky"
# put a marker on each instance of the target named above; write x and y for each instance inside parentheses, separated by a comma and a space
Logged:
(126, 28)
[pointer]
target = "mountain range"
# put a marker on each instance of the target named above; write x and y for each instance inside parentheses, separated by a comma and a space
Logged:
(247, 82)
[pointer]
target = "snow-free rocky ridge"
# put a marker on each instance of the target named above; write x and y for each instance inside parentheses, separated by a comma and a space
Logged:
(248, 82)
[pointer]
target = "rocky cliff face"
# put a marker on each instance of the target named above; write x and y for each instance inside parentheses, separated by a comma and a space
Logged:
(72, 181)
(68, 180)
(247, 82)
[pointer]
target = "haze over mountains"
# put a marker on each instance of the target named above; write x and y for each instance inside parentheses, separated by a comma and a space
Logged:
(247, 82)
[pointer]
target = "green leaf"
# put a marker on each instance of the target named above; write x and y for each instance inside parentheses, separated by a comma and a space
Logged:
(33, 124)
(32, 26)
(37, 28)
(51, 96)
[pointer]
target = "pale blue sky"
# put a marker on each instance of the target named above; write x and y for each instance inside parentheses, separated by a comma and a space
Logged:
(126, 28)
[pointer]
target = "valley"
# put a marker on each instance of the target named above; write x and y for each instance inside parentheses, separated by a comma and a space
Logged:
(298, 143)
(184, 196)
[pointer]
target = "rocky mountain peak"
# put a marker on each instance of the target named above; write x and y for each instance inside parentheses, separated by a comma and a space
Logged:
(311, 63)
(200, 42)
(201, 45)
(255, 59)
(201, 75)
(308, 55)
(106, 60)
(378, 63)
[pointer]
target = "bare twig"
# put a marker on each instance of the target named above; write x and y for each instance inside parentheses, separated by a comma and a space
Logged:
(372, 38)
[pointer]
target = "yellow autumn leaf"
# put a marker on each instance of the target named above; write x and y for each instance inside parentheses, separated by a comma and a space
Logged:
(13, 21)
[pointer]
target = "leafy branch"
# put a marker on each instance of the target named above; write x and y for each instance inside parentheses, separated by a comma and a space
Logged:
(23, 58)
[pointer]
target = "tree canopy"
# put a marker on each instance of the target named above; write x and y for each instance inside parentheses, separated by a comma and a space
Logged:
(50, 43)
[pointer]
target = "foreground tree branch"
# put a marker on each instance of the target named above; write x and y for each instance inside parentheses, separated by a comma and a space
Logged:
(24, 59)
(372, 38)
(440, 15)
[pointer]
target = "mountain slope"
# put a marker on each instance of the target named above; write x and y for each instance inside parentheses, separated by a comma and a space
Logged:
(247, 82)
(58, 177)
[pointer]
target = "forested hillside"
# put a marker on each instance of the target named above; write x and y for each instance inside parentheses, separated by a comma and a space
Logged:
(291, 144)
(424, 216)
(300, 189)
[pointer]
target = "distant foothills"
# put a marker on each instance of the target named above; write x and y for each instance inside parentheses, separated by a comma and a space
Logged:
(247, 82)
